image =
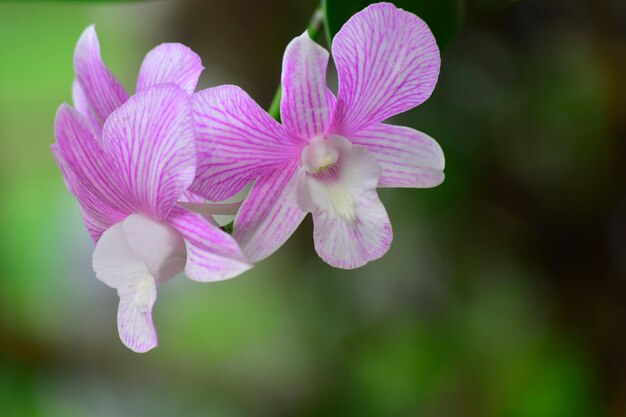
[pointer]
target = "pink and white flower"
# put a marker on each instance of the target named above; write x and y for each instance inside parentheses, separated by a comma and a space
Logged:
(128, 161)
(330, 153)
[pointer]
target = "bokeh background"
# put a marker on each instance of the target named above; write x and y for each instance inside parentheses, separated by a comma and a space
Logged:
(504, 293)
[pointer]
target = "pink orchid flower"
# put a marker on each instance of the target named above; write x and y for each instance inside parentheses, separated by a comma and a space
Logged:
(128, 161)
(330, 154)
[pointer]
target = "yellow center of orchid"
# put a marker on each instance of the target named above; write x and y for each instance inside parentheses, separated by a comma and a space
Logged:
(342, 202)
(142, 293)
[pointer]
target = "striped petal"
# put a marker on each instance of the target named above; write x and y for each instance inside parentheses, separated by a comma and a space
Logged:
(134, 321)
(237, 141)
(84, 157)
(96, 215)
(387, 62)
(351, 226)
(103, 92)
(306, 105)
(270, 213)
(351, 245)
(170, 63)
(212, 254)
(151, 141)
(408, 158)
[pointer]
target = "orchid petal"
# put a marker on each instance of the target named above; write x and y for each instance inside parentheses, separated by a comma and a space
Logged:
(270, 213)
(119, 267)
(189, 197)
(82, 105)
(96, 215)
(349, 246)
(115, 262)
(134, 322)
(151, 140)
(160, 246)
(86, 159)
(237, 141)
(351, 226)
(408, 158)
(212, 254)
(103, 92)
(305, 106)
(170, 63)
(387, 62)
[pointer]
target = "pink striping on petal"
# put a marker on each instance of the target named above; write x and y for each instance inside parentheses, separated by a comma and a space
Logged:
(408, 158)
(387, 62)
(86, 159)
(170, 63)
(306, 105)
(96, 215)
(237, 141)
(102, 90)
(135, 325)
(151, 141)
(212, 254)
(270, 213)
(348, 246)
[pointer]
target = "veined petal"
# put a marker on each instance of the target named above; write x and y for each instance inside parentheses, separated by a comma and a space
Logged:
(212, 254)
(305, 106)
(96, 215)
(86, 159)
(351, 226)
(189, 197)
(352, 245)
(237, 141)
(119, 267)
(170, 63)
(103, 92)
(408, 158)
(151, 141)
(387, 62)
(270, 213)
(134, 319)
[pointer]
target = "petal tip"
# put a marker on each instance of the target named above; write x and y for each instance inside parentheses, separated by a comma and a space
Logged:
(86, 39)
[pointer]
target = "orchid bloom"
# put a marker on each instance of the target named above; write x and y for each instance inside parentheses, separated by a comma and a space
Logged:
(128, 161)
(330, 153)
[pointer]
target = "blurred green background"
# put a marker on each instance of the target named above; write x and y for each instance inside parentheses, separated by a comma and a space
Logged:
(504, 293)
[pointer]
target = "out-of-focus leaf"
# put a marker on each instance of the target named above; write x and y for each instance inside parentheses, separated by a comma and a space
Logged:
(442, 16)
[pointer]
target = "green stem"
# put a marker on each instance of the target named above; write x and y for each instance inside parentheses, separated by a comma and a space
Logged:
(314, 29)
(274, 109)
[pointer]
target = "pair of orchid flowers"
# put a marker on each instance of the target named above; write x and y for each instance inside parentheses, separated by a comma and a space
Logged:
(144, 168)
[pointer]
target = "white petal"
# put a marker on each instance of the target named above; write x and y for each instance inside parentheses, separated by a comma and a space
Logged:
(134, 316)
(351, 226)
(159, 245)
(115, 262)
(118, 266)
